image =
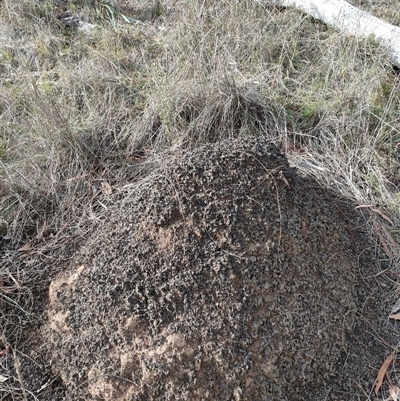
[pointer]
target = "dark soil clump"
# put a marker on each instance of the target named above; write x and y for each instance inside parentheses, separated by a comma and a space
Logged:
(227, 276)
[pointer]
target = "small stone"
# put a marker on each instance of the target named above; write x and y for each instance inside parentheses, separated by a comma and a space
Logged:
(188, 352)
(237, 394)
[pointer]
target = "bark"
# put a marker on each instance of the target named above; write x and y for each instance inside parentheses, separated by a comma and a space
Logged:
(351, 20)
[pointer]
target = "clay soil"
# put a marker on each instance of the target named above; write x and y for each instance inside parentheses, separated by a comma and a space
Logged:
(226, 275)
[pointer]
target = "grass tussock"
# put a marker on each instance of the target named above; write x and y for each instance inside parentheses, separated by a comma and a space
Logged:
(83, 106)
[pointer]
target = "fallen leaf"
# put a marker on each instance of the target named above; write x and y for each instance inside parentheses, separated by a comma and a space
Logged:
(285, 180)
(3, 379)
(396, 316)
(362, 206)
(382, 241)
(383, 215)
(382, 373)
(26, 247)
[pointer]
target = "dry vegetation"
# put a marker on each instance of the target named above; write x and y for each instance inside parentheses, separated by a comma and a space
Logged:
(81, 111)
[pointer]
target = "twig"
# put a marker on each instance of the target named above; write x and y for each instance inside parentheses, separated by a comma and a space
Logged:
(20, 378)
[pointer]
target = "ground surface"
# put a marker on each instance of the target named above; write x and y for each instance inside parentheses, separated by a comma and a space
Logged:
(226, 276)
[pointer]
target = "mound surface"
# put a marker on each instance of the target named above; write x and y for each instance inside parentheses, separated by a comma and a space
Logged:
(225, 277)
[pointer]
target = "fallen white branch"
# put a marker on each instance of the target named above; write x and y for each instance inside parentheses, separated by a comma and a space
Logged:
(351, 20)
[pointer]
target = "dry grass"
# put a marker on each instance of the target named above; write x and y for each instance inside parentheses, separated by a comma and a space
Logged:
(80, 111)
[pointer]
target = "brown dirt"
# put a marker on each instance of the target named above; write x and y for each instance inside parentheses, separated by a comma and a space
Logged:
(226, 276)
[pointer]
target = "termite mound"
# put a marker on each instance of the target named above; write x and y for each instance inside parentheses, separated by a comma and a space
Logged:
(225, 276)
